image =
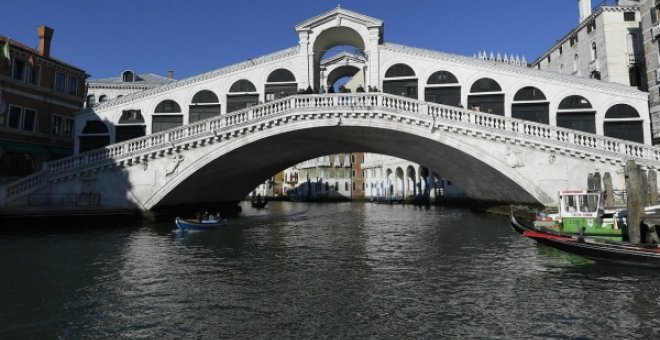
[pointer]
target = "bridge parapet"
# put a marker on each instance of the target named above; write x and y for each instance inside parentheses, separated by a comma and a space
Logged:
(434, 115)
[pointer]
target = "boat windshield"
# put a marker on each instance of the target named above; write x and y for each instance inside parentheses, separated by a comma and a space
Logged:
(586, 203)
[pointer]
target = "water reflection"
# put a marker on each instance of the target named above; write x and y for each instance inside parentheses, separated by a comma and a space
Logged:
(298, 270)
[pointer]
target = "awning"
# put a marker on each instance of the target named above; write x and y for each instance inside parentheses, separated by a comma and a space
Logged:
(18, 147)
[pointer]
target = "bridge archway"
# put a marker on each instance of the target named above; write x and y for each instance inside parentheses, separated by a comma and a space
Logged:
(232, 171)
(333, 37)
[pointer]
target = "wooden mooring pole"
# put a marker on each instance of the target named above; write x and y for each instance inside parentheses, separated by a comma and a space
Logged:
(635, 200)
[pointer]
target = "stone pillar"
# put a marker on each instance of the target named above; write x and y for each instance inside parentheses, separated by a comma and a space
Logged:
(597, 181)
(635, 200)
(609, 190)
(653, 187)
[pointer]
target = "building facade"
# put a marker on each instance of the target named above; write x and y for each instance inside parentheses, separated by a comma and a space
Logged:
(650, 26)
(39, 97)
(605, 45)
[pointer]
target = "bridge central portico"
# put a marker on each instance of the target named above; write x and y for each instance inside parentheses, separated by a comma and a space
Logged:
(501, 132)
(492, 158)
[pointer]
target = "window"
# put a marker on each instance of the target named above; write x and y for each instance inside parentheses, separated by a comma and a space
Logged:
(56, 125)
(60, 82)
(592, 26)
(594, 51)
(30, 120)
(576, 64)
(72, 86)
(628, 16)
(103, 98)
(128, 77)
(549, 59)
(353, 186)
(561, 49)
(14, 120)
(573, 40)
(346, 186)
(18, 69)
(91, 100)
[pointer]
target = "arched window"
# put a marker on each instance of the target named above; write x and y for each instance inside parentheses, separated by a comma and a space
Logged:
(576, 64)
(281, 76)
(205, 104)
(128, 77)
(242, 86)
(279, 84)
(205, 97)
(442, 88)
(168, 106)
(530, 103)
(131, 125)
(623, 121)
(94, 135)
(95, 127)
(91, 100)
(576, 112)
(164, 118)
(103, 98)
(242, 94)
(399, 70)
(486, 96)
(405, 83)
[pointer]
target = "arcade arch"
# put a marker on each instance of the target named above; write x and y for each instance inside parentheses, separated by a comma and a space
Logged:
(205, 104)
(94, 135)
(531, 104)
(167, 115)
(576, 112)
(400, 79)
(623, 121)
(242, 94)
(279, 84)
(442, 87)
(486, 96)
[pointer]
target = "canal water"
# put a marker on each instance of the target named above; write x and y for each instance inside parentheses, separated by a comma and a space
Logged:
(297, 270)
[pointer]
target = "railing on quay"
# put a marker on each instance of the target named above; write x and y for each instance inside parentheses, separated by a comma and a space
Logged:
(437, 113)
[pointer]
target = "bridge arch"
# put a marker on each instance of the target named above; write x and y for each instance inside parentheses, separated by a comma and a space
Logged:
(480, 173)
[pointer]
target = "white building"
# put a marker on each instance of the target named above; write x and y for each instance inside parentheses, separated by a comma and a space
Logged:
(322, 178)
(104, 89)
(389, 178)
(605, 45)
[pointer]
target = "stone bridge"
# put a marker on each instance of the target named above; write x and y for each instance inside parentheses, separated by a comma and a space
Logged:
(492, 158)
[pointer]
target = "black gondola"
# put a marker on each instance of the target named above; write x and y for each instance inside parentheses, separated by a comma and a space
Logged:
(259, 204)
(591, 248)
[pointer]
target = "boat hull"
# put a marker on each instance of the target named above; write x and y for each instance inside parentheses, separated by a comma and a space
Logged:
(185, 225)
(598, 250)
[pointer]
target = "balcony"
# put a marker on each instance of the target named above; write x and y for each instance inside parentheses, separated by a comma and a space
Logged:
(655, 31)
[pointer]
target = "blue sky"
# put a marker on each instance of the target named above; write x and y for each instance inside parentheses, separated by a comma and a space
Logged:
(194, 36)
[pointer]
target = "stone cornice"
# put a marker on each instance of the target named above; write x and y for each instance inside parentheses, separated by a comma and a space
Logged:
(321, 18)
(500, 67)
(199, 78)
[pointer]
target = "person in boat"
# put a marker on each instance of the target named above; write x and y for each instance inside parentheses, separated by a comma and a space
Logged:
(205, 217)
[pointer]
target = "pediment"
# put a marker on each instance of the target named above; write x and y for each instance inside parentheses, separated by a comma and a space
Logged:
(336, 14)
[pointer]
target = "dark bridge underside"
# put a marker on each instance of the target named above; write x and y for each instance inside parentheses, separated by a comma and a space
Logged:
(234, 175)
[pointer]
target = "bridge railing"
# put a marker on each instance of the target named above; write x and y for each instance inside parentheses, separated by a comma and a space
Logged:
(364, 101)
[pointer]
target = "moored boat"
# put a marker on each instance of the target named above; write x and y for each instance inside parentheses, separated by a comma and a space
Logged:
(208, 224)
(259, 204)
(582, 212)
(592, 248)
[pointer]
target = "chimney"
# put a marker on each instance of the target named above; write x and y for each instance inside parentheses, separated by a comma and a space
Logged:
(170, 74)
(45, 34)
(585, 9)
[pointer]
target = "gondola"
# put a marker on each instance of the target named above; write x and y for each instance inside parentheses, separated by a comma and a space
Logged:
(592, 248)
(259, 204)
(186, 224)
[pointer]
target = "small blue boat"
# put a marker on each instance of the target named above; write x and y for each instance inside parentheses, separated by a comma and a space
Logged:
(210, 224)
